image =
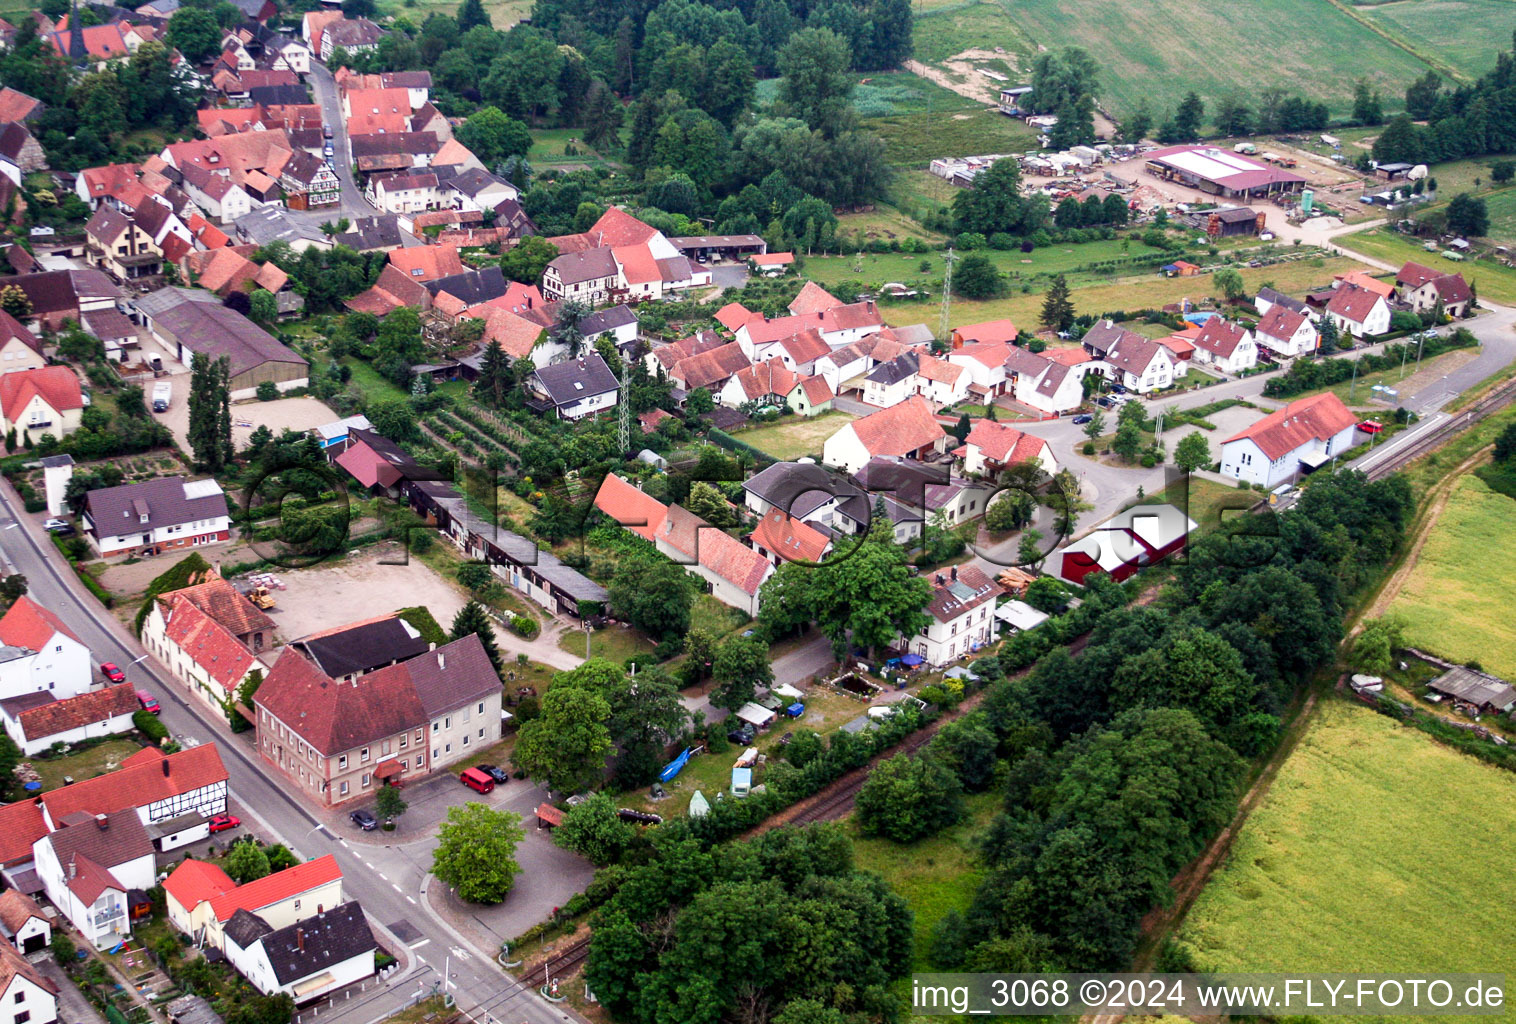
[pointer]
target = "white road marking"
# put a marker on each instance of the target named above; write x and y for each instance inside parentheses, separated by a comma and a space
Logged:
(344, 844)
(418, 945)
(460, 952)
(370, 866)
(383, 877)
(396, 887)
(411, 898)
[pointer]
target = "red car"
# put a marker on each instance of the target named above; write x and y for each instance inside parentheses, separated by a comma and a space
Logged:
(109, 670)
(149, 702)
(222, 822)
(1371, 426)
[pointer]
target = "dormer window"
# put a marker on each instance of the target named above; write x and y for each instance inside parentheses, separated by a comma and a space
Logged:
(142, 519)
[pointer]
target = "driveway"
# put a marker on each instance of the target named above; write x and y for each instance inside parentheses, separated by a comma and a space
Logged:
(729, 275)
(353, 204)
(300, 414)
(72, 1006)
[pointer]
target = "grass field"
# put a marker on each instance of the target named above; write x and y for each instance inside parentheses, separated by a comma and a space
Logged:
(97, 760)
(1502, 208)
(891, 266)
(917, 139)
(887, 223)
(1167, 49)
(1352, 862)
(796, 436)
(1493, 282)
(1466, 34)
(936, 875)
(1140, 292)
(1459, 598)
(503, 13)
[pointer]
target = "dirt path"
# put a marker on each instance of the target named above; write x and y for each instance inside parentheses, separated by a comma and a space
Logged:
(979, 92)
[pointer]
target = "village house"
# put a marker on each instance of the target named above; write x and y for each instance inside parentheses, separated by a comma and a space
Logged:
(574, 389)
(207, 635)
(45, 401)
(115, 244)
(153, 516)
(90, 865)
(30, 996)
(1358, 312)
(346, 652)
(309, 182)
(807, 492)
(961, 607)
(1138, 364)
(1052, 386)
(305, 961)
(42, 655)
(404, 192)
(201, 899)
(991, 448)
(783, 538)
(337, 742)
(1424, 288)
(1287, 333)
(36, 721)
(59, 295)
(889, 383)
(940, 382)
(25, 926)
(1294, 440)
(907, 429)
(1267, 298)
(733, 572)
(1226, 346)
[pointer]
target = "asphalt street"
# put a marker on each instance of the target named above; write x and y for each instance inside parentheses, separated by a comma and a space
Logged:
(389, 881)
(353, 204)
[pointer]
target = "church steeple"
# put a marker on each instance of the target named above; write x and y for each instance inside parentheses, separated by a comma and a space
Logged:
(76, 51)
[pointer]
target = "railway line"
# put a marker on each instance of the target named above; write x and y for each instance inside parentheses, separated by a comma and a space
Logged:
(1434, 438)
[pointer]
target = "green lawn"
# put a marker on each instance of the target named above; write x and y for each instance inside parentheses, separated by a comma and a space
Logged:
(373, 384)
(795, 436)
(549, 146)
(1375, 851)
(1493, 281)
(899, 266)
(719, 619)
(503, 13)
(97, 760)
(1166, 49)
(1502, 208)
(613, 643)
(1458, 600)
(935, 875)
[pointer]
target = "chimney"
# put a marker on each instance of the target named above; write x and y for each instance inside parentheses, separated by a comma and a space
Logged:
(431, 646)
(165, 768)
(955, 573)
(940, 580)
(442, 661)
(300, 939)
(102, 822)
(72, 870)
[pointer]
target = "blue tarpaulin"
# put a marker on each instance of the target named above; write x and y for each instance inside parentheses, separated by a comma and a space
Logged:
(675, 766)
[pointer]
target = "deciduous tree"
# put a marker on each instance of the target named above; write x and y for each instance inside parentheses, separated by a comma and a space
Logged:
(476, 851)
(565, 746)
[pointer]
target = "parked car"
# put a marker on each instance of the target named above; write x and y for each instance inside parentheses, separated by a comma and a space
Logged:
(1371, 426)
(149, 702)
(56, 524)
(743, 737)
(109, 670)
(495, 772)
(1105, 401)
(476, 780)
(222, 822)
(1082, 418)
(364, 820)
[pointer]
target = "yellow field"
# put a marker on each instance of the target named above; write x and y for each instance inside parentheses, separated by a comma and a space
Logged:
(1376, 850)
(1460, 598)
(795, 436)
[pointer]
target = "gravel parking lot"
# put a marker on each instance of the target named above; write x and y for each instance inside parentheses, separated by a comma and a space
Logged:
(295, 413)
(359, 587)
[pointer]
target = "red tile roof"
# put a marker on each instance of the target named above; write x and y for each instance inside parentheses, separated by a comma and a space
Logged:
(279, 886)
(851, 317)
(58, 386)
(368, 467)
(769, 377)
(83, 709)
(899, 430)
(1221, 337)
(28, 624)
(1299, 423)
(711, 367)
(1349, 302)
(13, 964)
(1368, 283)
(16, 908)
(789, 538)
(195, 881)
(16, 106)
(649, 420)
(104, 181)
(633, 508)
(1413, 275)
(939, 370)
(732, 560)
(637, 264)
(21, 825)
(987, 353)
(817, 391)
(805, 347)
(516, 334)
(733, 315)
(208, 644)
(1281, 322)
(813, 299)
(952, 597)
(773, 259)
(427, 262)
(139, 781)
(616, 227)
(1072, 356)
(1004, 444)
(989, 332)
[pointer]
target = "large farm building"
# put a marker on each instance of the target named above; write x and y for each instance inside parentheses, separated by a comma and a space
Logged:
(1221, 172)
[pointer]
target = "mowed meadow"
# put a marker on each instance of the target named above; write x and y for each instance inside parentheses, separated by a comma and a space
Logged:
(1376, 850)
(1460, 600)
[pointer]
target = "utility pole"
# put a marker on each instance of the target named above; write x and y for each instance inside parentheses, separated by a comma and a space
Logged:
(1353, 387)
(946, 331)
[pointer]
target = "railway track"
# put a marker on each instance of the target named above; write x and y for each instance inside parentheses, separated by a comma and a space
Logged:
(1497, 399)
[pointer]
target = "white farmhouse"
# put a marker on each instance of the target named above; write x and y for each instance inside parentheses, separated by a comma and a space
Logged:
(1287, 333)
(1226, 346)
(1298, 438)
(962, 610)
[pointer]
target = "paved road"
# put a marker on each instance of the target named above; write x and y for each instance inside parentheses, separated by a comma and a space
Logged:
(389, 881)
(353, 204)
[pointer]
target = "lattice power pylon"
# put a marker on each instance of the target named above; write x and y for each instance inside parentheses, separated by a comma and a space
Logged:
(946, 330)
(624, 421)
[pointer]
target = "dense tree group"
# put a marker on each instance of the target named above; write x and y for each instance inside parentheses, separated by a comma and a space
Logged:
(1462, 120)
